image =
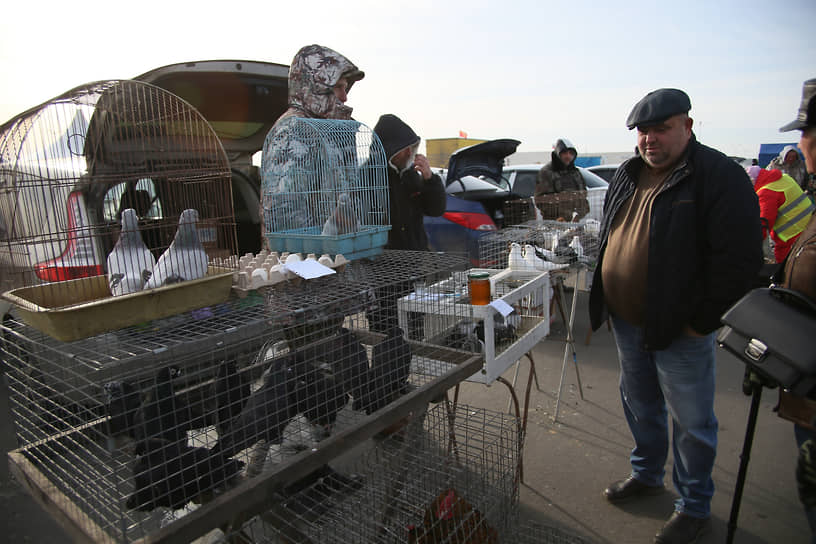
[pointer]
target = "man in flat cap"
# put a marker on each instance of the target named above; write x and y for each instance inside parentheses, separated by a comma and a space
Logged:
(680, 243)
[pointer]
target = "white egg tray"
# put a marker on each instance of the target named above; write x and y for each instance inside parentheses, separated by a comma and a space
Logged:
(268, 268)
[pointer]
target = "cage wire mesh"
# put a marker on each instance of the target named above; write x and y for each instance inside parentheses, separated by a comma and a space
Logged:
(94, 185)
(561, 206)
(451, 477)
(324, 188)
(123, 428)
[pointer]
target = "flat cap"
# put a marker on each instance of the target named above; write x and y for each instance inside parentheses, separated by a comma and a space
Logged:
(806, 117)
(657, 106)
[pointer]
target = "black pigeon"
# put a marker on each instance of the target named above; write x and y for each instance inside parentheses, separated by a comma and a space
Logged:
(162, 415)
(268, 410)
(321, 399)
(350, 364)
(388, 375)
(231, 392)
(122, 401)
(171, 474)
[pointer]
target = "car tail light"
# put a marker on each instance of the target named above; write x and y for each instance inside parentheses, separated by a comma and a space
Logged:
(472, 221)
(79, 260)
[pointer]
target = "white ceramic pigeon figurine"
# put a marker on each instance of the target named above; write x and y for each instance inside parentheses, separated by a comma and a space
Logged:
(185, 259)
(515, 260)
(343, 219)
(130, 263)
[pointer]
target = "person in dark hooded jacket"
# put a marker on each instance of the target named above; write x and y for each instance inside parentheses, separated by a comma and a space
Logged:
(560, 174)
(414, 190)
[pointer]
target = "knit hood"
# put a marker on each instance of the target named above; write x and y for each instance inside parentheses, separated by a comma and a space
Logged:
(562, 145)
(312, 76)
(394, 134)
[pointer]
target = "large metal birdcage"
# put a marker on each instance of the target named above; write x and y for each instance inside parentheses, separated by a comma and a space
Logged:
(119, 431)
(103, 158)
(325, 188)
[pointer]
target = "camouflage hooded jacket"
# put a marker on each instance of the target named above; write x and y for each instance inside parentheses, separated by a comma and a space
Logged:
(314, 71)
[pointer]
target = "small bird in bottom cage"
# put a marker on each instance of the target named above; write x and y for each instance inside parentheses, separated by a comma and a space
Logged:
(453, 520)
(342, 220)
(130, 263)
(388, 375)
(171, 474)
(185, 259)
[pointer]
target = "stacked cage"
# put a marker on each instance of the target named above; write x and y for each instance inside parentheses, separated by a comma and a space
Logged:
(116, 189)
(325, 188)
(233, 409)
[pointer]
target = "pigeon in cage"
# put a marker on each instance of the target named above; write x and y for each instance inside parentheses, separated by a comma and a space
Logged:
(122, 401)
(388, 375)
(350, 364)
(130, 263)
(450, 518)
(515, 259)
(343, 219)
(505, 329)
(170, 474)
(185, 259)
(291, 385)
(162, 415)
(230, 391)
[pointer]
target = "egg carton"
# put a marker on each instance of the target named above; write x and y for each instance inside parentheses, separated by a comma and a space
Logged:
(268, 268)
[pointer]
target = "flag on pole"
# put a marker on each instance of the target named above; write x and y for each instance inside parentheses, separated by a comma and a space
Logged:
(462, 134)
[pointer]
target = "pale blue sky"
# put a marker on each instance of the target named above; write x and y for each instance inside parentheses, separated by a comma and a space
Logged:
(530, 70)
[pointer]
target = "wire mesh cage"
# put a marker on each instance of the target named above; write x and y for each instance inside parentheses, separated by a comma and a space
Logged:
(122, 429)
(451, 476)
(570, 206)
(110, 189)
(325, 188)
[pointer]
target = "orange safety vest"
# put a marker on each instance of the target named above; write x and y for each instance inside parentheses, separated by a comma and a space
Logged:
(795, 212)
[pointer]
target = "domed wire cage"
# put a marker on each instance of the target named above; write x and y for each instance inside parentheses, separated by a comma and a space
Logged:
(324, 188)
(69, 168)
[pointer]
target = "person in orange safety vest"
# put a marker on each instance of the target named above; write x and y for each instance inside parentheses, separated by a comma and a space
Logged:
(785, 207)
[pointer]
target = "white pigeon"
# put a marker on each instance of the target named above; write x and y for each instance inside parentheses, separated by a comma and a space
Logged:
(185, 259)
(533, 261)
(130, 263)
(576, 245)
(515, 260)
(343, 219)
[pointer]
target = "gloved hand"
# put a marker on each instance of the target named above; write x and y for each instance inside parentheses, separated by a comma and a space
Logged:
(806, 474)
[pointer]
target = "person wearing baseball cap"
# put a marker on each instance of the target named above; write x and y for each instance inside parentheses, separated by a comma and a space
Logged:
(680, 243)
(798, 275)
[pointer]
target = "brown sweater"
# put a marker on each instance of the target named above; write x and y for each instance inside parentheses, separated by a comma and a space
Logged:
(625, 265)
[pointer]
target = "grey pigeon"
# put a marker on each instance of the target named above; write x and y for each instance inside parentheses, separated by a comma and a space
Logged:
(185, 259)
(343, 219)
(130, 263)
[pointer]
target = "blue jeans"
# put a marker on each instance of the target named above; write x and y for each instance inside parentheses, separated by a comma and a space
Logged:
(679, 381)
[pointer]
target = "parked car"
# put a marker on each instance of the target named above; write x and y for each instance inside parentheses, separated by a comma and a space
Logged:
(606, 171)
(521, 180)
(476, 191)
(257, 94)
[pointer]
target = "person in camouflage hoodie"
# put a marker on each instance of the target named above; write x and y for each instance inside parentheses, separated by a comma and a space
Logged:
(319, 81)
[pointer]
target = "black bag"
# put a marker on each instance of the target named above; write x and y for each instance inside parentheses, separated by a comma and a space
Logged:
(773, 331)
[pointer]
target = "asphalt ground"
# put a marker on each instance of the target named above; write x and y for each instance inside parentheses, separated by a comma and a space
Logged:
(568, 462)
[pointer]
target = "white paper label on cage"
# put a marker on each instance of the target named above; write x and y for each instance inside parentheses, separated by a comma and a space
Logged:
(309, 269)
(502, 307)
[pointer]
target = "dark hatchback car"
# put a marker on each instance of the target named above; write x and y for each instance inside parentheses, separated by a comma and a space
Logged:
(476, 193)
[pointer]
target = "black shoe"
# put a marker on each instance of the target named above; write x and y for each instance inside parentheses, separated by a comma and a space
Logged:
(682, 529)
(629, 488)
